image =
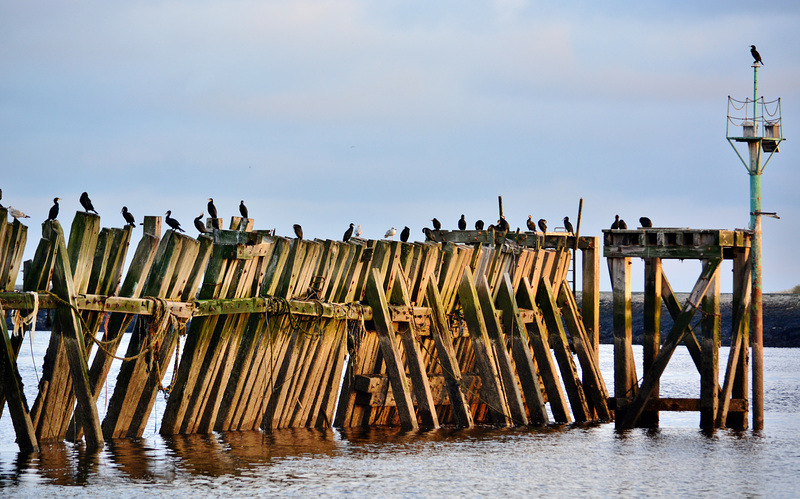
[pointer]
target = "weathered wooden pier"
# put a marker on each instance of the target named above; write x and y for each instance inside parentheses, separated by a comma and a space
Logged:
(475, 327)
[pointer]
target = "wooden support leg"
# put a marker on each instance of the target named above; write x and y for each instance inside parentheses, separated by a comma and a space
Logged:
(624, 368)
(735, 384)
(673, 339)
(709, 401)
(17, 406)
(652, 329)
(590, 295)
(518, 335)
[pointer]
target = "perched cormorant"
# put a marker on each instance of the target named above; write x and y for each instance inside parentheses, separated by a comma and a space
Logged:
(622, 224)
(390, 233)
(568, 225)
(87, 203)
(428, 234)
(756, 55)
(243, 210)
(298, 230)
(53, 210)
(437, 225)
(615, 225)
(16, 213)
(359, 231)
(404, 234)
(531, 224)
(479, 225)
(128, 216)
(212, 210)
(542, 224)
(199, 225)
(492, 227)
(503, 224)
(462, 223)
(172, 222)
(348, 233)
(645, 222)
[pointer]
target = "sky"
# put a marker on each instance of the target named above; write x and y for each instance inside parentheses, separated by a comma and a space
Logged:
(389, 113)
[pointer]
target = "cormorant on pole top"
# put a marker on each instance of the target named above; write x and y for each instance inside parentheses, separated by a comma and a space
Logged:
(756, 55)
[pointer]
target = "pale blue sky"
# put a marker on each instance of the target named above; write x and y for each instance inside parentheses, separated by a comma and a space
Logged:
(389, 113)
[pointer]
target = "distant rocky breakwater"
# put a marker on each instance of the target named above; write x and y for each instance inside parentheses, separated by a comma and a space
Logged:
(781, 318)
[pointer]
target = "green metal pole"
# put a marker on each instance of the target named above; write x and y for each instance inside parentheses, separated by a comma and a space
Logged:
(756, 312)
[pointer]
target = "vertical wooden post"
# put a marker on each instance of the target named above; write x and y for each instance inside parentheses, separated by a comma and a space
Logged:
(590, 291)
(710, 325)
(736, 380)
(652, 329)
(624, 368)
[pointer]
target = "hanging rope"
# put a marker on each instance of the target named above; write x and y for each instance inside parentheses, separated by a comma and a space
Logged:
(21, 322)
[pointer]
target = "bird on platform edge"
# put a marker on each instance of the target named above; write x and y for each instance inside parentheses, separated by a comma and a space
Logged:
(437, 225)
(243, 209)
(462, 223)
(531, 224)
(174, 224)
(128, 216)
(568, 226)
(298, 231)
(53, 210)
(645, 222)
(199, 225)
(404, 234)
(542, 223)
(348, 233)
(390, 233)
(87, 203)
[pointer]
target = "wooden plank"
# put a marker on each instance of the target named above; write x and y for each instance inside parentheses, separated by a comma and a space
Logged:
(518, 338)
(500, 349)
(710, 326)
(668, 348)
(546, 300)
(394, 366)
(492, 390)
(674, 309)
(17, 237)
(686, 405)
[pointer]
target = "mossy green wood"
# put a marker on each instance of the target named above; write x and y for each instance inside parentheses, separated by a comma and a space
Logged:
(710, 327)
(517, 336)
(546, 300)
(492, 386)
(671, 342)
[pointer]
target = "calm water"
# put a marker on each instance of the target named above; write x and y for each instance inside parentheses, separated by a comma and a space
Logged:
(584, 460)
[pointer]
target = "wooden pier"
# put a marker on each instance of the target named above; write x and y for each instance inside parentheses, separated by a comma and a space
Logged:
(268, 332)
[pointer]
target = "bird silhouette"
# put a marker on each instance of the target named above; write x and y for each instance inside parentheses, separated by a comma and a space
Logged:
(479, 225)
(756, 55)
(622, 224)
(16, 213)
(53, 210)
(128, 217)
(437, 225)
(359, 231)
(212, 210)
(298, 231)
(428, 234)
(542, 224)
(199, 225)
(1, 197)
(404, 234)
(243, 209)
(503, 224)
(568, 226)
(87, 203)
(348, 233)
(390, 233)
(462, 223)
(615, 225)
(172, 222)
(645, 222)
(531, 224)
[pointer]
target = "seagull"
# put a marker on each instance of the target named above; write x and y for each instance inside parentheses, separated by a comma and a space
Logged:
(390, 233)
(53, 210)
(298, 230)
(87, 203)
(756, 55)
(17, 213)
(531, 224)
(615, 225)
(348, 233)
(359, 231)
(542, 224)
(243, 210)
(645, 222)
(428, 234)
(479, 225)
(462, 223)
(172, 222)
(404, 234)
(199, 225)
(128, 216)
(437, 225)
(568, 225)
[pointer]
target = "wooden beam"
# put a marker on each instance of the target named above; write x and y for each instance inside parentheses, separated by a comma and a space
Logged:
(710, 325)
(17, 405)
(625, 385)
(590, 293)
(736, 375)
(651, 342)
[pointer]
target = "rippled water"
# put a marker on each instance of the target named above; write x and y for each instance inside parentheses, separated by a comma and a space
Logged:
(580, 460)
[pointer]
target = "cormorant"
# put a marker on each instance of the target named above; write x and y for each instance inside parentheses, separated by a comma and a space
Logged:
(428, 234)
(645, 222)
(756, 55)
(462, 223)
(359, 231)
(128, 216)
(172, 222)
(390, 233)
(479, 225)
(212, 210)
(622, 224)
(615, 225)
(243, 210)
(404, 234)
(87, 203)
(348, 233)
(491, 227)
(542, 224)
(503, 224)
(16, 213)
(298, 230)
(53, 210)
(437, 225)
(199, 225)
(531, 224)
(568, 226)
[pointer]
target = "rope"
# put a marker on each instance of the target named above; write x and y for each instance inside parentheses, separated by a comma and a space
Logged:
(21, 322)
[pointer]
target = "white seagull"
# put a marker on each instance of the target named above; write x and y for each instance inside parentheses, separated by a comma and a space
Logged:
(16, 213)
(390, 233)
(359, 231)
